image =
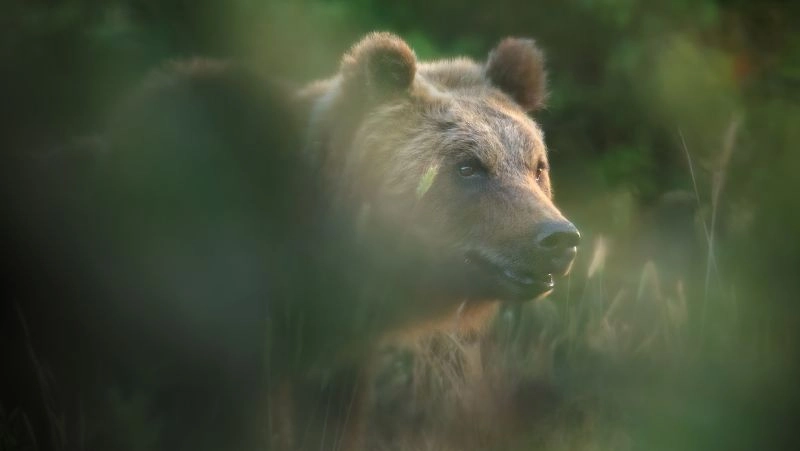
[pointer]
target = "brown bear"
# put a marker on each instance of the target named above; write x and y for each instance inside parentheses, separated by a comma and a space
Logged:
(236, 247)
(449, 179)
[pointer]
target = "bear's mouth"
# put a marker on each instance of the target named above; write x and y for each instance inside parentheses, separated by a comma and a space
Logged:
(523, 284)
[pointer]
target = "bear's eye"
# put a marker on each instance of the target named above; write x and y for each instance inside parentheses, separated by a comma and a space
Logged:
(541, 167)
(470, 168)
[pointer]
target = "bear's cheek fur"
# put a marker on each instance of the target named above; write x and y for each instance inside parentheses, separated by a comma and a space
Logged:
(450, 215)
(388, 159)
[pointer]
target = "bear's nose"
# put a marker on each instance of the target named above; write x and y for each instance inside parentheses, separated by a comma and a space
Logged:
(557, 236)
(557, 241)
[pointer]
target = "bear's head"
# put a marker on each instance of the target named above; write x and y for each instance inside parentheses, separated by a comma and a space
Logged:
(446, 153)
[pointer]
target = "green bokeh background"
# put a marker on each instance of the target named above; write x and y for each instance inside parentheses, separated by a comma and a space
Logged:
(643, 95)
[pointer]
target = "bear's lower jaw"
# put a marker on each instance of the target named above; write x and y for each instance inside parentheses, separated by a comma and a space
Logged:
(508, 284)
(513, 289)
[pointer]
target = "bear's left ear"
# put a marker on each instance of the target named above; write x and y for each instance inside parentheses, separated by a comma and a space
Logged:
(381, 63)
(516, 66)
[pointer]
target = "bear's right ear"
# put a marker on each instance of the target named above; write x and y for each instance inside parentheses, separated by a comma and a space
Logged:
(381, 63)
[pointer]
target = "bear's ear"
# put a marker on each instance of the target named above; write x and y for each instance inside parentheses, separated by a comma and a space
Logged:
(381, 63)
(516, 66)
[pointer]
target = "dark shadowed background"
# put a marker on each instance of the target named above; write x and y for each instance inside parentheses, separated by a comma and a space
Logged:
(672, 131)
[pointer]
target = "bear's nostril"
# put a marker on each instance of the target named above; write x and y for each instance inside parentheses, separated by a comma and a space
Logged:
(560, 240)
(558, 235)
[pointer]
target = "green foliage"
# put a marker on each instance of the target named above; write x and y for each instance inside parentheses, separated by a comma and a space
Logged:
(427, 180)
(632, 82)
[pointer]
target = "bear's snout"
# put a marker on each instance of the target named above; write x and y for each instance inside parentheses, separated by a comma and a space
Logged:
(523, 267)
(556, 243)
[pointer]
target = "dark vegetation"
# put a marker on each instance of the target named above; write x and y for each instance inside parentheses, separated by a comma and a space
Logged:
(671, 128)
